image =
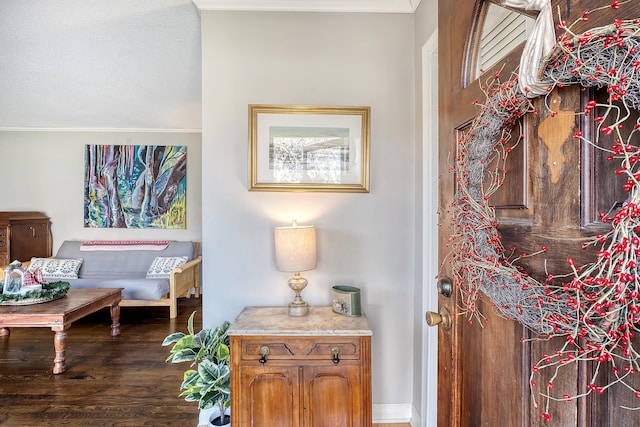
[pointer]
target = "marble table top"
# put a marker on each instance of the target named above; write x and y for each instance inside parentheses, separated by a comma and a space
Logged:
(319, 321)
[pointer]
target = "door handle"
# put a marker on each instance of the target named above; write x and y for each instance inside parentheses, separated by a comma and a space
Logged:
(443, 317)
(264, 351)
(336, 351)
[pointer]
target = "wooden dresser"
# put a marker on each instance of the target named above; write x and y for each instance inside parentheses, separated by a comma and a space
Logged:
(310, 371)
(24, 235)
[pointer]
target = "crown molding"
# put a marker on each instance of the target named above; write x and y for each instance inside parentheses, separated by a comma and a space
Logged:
(369, 6)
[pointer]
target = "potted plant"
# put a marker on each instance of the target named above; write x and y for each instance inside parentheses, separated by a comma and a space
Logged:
(209, 383)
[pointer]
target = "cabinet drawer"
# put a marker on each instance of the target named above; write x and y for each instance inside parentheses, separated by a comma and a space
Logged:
(304, 348)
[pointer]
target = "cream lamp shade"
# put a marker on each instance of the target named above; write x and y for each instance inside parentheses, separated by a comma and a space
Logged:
(295, 249)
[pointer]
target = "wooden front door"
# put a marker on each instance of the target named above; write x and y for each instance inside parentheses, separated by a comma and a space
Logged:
(552, 197)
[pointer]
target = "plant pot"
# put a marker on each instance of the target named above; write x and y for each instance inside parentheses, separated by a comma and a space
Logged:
(208, 416)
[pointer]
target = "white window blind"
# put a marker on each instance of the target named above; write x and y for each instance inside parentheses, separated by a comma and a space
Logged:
(503, 30)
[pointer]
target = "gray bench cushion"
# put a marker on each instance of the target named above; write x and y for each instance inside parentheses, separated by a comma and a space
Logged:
(151, 289)
(122, 268)
(125, 264)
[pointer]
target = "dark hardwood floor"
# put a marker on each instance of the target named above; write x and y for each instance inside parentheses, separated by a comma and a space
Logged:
(120, 381)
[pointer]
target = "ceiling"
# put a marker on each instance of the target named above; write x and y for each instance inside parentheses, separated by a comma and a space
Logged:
(118, 64)
(100, 64)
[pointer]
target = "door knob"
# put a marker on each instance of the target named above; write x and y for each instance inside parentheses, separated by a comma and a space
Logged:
(445, 287)
(443, 317)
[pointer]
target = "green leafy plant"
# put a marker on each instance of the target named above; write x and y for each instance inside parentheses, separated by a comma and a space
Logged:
(208, 352)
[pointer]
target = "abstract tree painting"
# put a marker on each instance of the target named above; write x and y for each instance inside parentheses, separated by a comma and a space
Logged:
(135, 186)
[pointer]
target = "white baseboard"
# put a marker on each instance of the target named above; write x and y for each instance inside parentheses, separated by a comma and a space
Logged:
(392, 413)
(399, 413)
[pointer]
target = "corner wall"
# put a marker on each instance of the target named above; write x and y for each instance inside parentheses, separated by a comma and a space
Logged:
(366, 240)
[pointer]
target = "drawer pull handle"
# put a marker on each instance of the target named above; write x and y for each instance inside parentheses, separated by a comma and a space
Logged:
(264, 350)
(335, 350)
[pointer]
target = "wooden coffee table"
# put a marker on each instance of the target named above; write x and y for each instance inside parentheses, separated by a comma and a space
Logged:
(60, 314)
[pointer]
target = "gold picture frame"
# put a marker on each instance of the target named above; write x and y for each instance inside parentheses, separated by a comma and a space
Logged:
(309, 148)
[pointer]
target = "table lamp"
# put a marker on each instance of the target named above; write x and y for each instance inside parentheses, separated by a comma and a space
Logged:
(296, 252)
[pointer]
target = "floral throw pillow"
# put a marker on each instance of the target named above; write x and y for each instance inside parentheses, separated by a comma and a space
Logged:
(162, 266)
(56, 268)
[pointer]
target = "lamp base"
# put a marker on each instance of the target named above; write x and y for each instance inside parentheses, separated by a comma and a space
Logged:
(297, 309)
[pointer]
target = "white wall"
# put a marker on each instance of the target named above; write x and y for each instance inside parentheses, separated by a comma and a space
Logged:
(44, 171)
(367, 240)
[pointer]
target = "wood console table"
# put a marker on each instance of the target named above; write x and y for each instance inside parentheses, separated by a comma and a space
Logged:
(60, 314)
(300, 371)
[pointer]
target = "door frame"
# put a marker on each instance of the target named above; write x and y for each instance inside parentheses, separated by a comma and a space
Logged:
(429, 386)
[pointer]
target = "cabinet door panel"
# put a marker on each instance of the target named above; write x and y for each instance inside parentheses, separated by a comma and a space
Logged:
(29, 240)
(332, 396)
(271, 396)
